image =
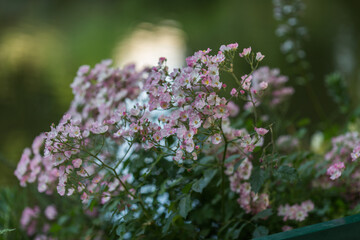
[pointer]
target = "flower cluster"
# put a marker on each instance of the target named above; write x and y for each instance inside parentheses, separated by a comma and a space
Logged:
(335, 170)
(287, 143)
(266, 78)
(239, 171)
(345, 149)
(179, 113)
(100, 95)
(296, 212)
(29, 221)
(34, 166)
(98, 92)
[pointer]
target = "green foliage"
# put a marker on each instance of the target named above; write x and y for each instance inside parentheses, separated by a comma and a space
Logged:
(257, 179)
(337, 89)
(3, 231)
(286, 173)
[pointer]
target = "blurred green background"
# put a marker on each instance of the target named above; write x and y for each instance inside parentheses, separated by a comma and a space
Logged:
(42, 43)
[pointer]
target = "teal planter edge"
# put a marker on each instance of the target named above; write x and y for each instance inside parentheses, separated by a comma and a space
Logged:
(342, 228)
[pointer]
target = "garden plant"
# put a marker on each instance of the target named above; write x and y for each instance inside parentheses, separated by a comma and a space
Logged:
(163, 153)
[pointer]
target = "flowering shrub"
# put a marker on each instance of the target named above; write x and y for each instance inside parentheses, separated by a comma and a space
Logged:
(175, 154)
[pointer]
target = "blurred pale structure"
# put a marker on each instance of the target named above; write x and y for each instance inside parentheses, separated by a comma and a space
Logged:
(148, 42)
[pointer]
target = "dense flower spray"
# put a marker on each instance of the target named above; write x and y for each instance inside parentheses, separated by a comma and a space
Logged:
(177, 115)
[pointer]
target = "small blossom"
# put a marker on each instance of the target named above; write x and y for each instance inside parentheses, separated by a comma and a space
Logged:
(356, 153)
(259, 56)
(51, 212)
(261, 131)
(335, 170)
(234, 92)
(77, 162)
(263, 85)
(216, 139)
(157, 137)
(84, 197)
(245, 52)
(286, 228)
(232, 46)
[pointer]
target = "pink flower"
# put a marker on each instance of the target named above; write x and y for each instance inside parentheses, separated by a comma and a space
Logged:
(234, 92)
(135, 111)
(157, 137)
(195, 121)
(229, 47)
(300, 215)
(246, 82)
(296, 212)
(259, 56)
(216, 139)
(84, 197)
(221, 111)
(50, 212)
(261, 131)
(77, 162)
(98, 128)
(28, 214)
(105, 197)
(74, 131)
(134, 127)
(263, 85)
(83, 70)
(178, 156)
(245, 52)
(244, 170)
(233, 109)
(286, 228)
(335, 170)
(59, 158)
(355, 153)
(61, 190)
(308, 205)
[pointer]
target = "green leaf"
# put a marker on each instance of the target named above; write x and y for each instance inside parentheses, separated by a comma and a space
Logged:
(230, 231)
(120, 230)
(63, 219)
(3, 231)
(237, 164)
(257, 179)
(167, 224)
(232, 158)
(262, 214)
(177, 220)
(306, 167)
(301, 133)
(187, 188)
(260, 231)
(175, 182)
(206, 159)
(200, 184)
(185, 206)
(287, 173)
(172, 207)
(303, 122)
(348, 170)
(197, 186)
(237, 232)
(55, 228)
